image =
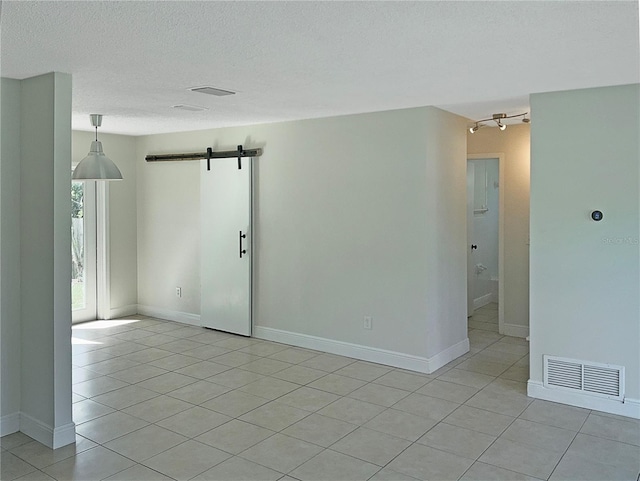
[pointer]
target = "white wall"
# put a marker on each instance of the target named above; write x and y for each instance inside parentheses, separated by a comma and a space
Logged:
(585, 275)
(10, 256)
(355, 216)
(122, 216)
(514, 143)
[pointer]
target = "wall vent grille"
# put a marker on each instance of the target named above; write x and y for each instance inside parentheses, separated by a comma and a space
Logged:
(604, 380)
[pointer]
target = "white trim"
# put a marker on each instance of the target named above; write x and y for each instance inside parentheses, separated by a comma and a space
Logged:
(9, 424)
(130, 310)
(628, 407)
(103, 268)
(501, 195)
(169, 315)
(483, 300)
(365, 353)
(53, 438)
(515, 330)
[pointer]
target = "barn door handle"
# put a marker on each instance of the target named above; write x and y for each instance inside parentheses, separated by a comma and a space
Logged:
(474, 247)
(240, 237)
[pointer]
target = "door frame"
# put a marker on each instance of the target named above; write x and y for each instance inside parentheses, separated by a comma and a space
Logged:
(500, 156)
(90, 222)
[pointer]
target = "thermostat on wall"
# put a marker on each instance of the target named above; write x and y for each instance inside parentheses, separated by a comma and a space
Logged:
(596, 215)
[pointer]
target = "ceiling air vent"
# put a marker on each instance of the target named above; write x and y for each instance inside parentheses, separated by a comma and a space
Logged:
(604, 380)
(212, 91)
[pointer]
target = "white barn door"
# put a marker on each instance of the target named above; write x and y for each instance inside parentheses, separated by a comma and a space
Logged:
(225, 203)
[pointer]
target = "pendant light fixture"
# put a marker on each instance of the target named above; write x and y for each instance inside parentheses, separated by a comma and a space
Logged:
(96, 165)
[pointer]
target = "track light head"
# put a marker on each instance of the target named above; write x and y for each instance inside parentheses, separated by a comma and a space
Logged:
(501, 125)
(474, 129)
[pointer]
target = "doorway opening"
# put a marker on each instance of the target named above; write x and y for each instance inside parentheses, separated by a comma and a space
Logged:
(485, 254)
(83, 251)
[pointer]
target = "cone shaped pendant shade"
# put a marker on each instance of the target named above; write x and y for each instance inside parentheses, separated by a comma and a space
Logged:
(96, 165)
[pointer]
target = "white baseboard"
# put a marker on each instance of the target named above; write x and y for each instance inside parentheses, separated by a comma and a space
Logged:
(483, 301)
(515, 330)
(629, 408)
(169, 315)
(130, 310)
(365, 353)
(53, 438)
(9, 424)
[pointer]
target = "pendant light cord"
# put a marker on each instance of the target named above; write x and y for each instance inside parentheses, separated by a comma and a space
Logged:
(96, 133)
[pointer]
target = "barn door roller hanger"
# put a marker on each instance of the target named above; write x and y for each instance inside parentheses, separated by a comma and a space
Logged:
(240, 152)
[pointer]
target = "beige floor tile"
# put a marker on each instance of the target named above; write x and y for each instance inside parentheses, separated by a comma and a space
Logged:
(235, 342)
(402, 380)
(274, 416)
(423, 462)
(294, 355)
(365, 371)
(541, 435)
(613, 429)
(16, 439)
(176, 361)
(426, 406)
(180, 345)
(35, 476)
(447, 390)
(87, 410)
(299, 374)
(124, 397)
(187, 332)
(238, 469)
(149, 354)
(235, 378)
(111, 365)
(235, 358)
(485, 326)
(351, 410)
(211, 337)
(157, 340)
(401, 424)
(578, 468)
(490, 368)
(371, 446)
(97, 386)
(95, 463)
(81, 374)
(138, 373)
(502, 403)
(484, 472)
(203, 369)
(194, 421)
(336, 384)
(308, 398)
(507, 386)
(604, 451)
(457, 440)
(199, 392)
(186, 460)
(328, 362)
(138, 473)
(166, 382)
(318, 429)
(269, 388)
(158, 408)
(40, 456)
(145, 443)
(466, 378)
(489, 354)
(77, 398)
(264, 348)
(386, 474)
(235, 436)
(516, 373)
(379, 394)
(334, 466)
(502, 346)
(265, 366)
(12, 467)
(206, 352)
(479, 420)
(87, 358)
(281, 453)
(234, 403)
(110, 426)
(522, 458)
(554, 414)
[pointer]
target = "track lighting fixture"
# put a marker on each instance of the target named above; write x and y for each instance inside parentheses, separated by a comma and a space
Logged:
(96, 165)
(498, 118)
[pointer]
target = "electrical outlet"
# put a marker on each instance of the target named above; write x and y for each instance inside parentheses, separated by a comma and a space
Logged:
(368, 322)
(178, 291)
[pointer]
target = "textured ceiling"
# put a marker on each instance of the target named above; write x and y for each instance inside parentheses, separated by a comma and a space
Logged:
(132, 61)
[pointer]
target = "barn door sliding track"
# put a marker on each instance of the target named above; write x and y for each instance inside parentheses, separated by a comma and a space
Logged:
(240, 152)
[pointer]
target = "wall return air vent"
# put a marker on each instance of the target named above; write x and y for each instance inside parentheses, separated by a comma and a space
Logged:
(602, 380)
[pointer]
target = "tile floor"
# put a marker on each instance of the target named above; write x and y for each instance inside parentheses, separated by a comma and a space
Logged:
(156, 400)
